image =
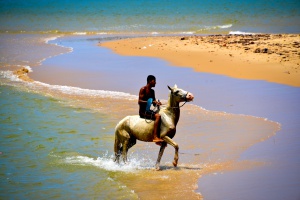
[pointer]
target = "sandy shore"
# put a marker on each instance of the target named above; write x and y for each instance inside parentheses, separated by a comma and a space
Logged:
(274, 58)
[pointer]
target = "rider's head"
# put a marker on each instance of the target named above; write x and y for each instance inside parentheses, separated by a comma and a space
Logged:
(151, 80)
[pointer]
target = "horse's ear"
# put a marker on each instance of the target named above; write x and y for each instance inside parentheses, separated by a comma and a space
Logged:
(175, 86)
(170, 88)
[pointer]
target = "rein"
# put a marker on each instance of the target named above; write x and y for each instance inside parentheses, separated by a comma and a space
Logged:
(184, 99)
(152, 111)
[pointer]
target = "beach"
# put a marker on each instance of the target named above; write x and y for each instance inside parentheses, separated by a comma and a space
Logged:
(71, 70)
(227, 55)
(273, 58)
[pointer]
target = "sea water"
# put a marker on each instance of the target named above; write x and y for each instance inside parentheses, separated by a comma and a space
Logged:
(49, 150)
(192, 16)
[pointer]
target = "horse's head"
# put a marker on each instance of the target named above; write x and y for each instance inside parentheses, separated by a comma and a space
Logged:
(180, 95)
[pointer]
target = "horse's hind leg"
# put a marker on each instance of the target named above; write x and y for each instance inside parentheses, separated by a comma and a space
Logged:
(175, 145)
(127, 144)
(161, 152)
(117, 150)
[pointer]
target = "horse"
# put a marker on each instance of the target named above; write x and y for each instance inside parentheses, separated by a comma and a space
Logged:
(132, 128)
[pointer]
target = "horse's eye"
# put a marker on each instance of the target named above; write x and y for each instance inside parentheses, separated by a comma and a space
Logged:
(176, 93)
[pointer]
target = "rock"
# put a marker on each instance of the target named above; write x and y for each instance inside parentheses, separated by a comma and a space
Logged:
(257, 50)
(184, 38)
(264, 50)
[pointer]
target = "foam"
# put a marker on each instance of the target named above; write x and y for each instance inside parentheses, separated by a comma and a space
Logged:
(47, 40)
(224, 26)
(87, 92)
(68, 89)
(105, 162)
(80, 33)
(101, 33)
(28, 68)
(241, 33)
(9, 75)
(188, 33)
(207, 28)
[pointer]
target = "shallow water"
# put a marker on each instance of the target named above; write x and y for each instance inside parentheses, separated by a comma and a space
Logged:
(39, 135)
(67, 132)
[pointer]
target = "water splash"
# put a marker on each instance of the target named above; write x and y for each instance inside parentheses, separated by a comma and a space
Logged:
(106, 162)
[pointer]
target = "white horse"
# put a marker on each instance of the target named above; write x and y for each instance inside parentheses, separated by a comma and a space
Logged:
(131, 128)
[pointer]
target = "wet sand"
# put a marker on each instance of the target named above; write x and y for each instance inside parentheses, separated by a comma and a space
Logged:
(274, 58)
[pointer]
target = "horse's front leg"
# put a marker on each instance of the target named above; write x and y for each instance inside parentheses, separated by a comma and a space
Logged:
(161, 152)
(176, 147)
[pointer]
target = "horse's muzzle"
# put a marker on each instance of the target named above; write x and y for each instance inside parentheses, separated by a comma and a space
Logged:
(189, 97)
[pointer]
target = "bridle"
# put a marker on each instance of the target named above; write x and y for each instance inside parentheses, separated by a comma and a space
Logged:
(185, 99)
(172, 93)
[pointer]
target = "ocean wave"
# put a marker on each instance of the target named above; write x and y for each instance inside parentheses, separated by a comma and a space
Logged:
(37, 85)
(47, 41)
(210, 28)
(241, 33)
(224, 26)
(28, 68)
(9, 75)
(80, 33)
(87, 92)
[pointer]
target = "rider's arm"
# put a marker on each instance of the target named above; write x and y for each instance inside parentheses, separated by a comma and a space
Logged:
(141, 96)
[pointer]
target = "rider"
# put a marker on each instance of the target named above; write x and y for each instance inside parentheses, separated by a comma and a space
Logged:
(145, 94)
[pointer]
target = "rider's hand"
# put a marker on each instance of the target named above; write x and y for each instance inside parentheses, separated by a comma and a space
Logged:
(158, 103)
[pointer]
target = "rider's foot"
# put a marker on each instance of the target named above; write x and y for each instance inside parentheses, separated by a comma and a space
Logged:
(156, 139)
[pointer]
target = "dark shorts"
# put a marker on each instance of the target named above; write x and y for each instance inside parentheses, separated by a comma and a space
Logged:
(148, 115)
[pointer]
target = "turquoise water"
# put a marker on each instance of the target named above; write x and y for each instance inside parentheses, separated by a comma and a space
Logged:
(121, 16)
(39, 135)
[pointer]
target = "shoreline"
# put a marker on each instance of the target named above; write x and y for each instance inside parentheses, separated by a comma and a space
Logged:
(270, 57)
(259, 107)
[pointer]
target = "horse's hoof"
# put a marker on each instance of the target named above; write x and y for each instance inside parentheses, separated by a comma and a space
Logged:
(174, 164)
(157, 168)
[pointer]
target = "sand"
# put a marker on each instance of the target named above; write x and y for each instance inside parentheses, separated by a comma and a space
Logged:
(269, 57)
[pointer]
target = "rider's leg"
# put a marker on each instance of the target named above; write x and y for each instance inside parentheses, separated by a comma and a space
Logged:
(156, 130)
